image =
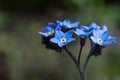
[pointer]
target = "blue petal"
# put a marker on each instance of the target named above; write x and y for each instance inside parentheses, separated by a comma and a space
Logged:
(54, 40)
(94, 25)
(66, 21)
(84, 27)
(70, 40)
(107, 42)
(60, 44)
(104, 28)
(59, 34)
(105, 35)
(77, 33)
(89, 32)
(93, 39)
(58, 27)
(51, 24)
(44, 34)
(68, 34)
(49, 28)
(75, 24)
(110, 40)
(59, 22)
(86, 34)
(83, 35)
(96, 33)
(80, 31)
(113, 39)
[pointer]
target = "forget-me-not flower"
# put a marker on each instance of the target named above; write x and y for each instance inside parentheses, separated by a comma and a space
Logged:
(62, 38)
(102, 37)
(67, 24)
(83, 31)
(49, 30)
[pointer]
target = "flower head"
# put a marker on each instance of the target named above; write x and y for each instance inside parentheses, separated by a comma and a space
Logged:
(49, 30)
(102, 37)
(67, 24)
(62, 38)
(83, 31)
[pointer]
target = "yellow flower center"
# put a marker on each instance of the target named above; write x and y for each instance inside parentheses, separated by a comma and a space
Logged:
(63, 39)
(100, 40)
(51, 32)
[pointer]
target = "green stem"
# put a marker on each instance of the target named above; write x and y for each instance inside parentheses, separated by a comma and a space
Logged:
(85, 66)
(86, 63)
(75, 61)
(81, 47)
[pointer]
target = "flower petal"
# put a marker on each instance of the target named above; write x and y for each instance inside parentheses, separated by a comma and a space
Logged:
(68, 34)
(59, 22)
(96, 33)
(94, 25)
(60, 44)
(75, 24)
(107, 42)
(113, 39)
(80, 31)
(104, 28)
(54, 40)
(105, 35)
(49, 28)
(58, 27)
(70, 40)
(66, 21)
(44, 34)
(59, 34)
(77, 33)
(93, 39)
(84, 27)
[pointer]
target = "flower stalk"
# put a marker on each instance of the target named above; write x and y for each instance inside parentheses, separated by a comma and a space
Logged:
(74, 60)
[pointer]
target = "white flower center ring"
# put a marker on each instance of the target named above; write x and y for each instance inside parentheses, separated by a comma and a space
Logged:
(63, 39)
(100, 40)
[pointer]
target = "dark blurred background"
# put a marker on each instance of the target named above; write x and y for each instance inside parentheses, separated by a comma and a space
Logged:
(23, 57)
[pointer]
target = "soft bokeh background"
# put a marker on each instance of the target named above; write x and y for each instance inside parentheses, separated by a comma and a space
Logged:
(23, 57)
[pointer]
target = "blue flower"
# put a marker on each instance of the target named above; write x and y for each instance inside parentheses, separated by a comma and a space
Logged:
(102, 37)
(62, 38)
(49, 30)
(67, 24)
(83, 31)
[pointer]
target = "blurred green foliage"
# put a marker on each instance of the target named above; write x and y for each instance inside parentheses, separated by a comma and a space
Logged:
(28, 59)
(3, 19)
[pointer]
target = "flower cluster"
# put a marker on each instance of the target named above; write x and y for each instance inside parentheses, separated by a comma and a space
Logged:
(57, 35)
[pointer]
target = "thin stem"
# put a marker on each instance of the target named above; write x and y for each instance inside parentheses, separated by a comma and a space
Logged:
(82, 43)
(80, 54)
(86, 64)
(75, 61)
